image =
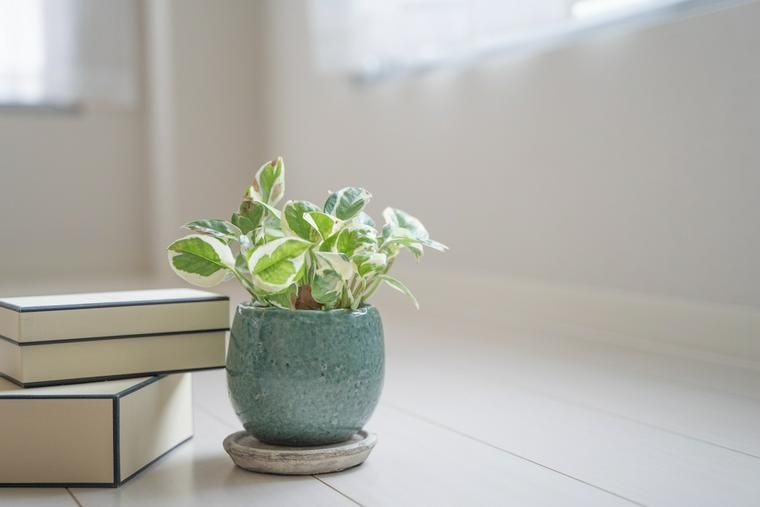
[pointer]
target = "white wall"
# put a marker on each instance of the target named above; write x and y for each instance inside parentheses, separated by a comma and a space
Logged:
(71, 194)
(625, 161)
(208, 127)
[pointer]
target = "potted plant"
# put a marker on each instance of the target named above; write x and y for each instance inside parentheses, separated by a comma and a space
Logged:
(305, 362)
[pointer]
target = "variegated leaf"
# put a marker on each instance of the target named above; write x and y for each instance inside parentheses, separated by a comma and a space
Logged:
(276, 265)
(396, 284)
(220, 229)
(326, 288)
(403, 224)
(322, 223)
(294, 221)
(347, 202)
(338, 262)
(371, 263)
(268, 185)
(356, 239)
(201, 260)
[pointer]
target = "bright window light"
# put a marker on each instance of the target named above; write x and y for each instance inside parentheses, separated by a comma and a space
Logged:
(588, 9)
(371, 39)
(22, 51)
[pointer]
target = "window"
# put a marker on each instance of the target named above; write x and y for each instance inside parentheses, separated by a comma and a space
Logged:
(372, 39)
(35, 52)
(65, 52)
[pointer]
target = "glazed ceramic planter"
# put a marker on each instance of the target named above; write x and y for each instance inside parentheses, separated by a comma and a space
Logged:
(305, 377)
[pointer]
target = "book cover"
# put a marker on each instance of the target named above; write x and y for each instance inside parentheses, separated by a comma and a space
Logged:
(125, 313)
(97, 434)
(48, 340)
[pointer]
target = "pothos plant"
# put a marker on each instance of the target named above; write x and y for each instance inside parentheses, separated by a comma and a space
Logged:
(302, 256)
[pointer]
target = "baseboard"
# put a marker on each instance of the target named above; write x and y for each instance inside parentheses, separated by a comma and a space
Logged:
(726, 333)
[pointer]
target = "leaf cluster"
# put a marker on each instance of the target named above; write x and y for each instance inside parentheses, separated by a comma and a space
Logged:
(301, 255)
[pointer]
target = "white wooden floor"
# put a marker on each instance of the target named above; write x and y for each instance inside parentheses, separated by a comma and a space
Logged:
(480, 415)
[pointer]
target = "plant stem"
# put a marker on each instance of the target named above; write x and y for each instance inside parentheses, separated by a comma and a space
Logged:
(376, 282)
(247, 285)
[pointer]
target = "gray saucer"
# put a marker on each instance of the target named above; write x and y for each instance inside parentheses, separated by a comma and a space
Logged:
(250, 454)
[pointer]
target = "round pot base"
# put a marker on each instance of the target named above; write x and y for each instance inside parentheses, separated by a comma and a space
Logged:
(250, 454)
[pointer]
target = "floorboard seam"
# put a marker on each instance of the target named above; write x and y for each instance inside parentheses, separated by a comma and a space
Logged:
(626, 418)
(214, 416)
(336, 490)
(73, 497)
(511, 453)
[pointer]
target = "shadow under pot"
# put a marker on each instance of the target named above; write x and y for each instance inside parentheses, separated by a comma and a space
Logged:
(305, 377)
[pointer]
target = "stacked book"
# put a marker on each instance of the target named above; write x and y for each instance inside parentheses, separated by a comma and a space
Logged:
(94, 387)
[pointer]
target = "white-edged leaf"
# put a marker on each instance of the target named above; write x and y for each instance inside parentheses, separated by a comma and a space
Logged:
(364, 219)
(347, 202)
(242, 222)
(276, 265)
(294, 222)
(322, 223)
(435, 245)
(356, 239)
(201, 260)
(266, 234)
(271, 209)
(326, 288)
(220, 229)
(285, 300)
(403, 225)
(337, 262)
(396, 284)
(268, 185)
(369, 263)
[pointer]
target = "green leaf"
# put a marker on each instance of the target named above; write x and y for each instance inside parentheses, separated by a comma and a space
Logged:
(274, 212)
(396, 284)
(286, 299)
(252, 211)
(394, 237)
(347, 202)
(268, 185)
(294, 222)
(371, 263)
(276, 265)
(355, 239)
(323, 223)
(326, 288)
(364, 219)
(220, 229)
(337, 262)
(402, 224)
(329, 244)
(201, 260)
(242, 223)
(266, 234)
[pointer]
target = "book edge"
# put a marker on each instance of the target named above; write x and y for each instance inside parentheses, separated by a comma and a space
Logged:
(82, 306)
(109, 337)
(152, 377)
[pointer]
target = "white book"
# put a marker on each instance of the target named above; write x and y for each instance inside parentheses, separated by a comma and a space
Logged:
(48, 340)
(125, 313)
(94, 434)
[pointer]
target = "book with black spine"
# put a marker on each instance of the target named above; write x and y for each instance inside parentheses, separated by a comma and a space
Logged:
(58, 339)
(98, 434)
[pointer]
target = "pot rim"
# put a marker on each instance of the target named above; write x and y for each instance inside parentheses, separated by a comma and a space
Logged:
(247, 305)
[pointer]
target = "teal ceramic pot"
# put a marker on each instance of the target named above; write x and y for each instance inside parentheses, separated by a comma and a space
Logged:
(305, 377)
